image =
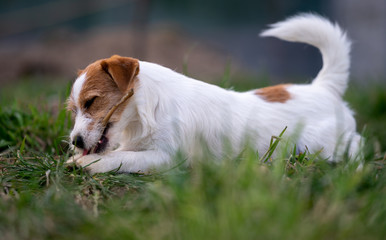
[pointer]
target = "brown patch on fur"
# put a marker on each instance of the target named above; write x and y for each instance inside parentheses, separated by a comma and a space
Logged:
(108, 80)
(80, 71)
(276, 93)
(122, 70)
(70, 104)
(90, 127)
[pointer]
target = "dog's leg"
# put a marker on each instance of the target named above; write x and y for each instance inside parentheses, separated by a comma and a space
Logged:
(123, 161)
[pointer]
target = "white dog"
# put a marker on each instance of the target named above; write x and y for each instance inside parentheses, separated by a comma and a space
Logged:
(170, 112)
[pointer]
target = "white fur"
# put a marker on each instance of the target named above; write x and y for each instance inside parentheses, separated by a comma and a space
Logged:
(82, 120)
(328, 38)
(78, 87)
(171, 112)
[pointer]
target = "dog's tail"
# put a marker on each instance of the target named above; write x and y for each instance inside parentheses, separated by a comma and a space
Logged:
(328, 38)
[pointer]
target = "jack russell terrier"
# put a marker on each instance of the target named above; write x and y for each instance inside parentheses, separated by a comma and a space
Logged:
(170, 112)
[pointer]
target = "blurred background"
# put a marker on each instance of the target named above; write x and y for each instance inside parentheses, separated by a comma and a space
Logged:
(203, 38)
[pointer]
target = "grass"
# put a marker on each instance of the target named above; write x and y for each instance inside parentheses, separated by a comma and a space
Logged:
(250, 197)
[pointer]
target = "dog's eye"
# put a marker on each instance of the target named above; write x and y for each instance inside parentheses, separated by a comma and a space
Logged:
(89, 102)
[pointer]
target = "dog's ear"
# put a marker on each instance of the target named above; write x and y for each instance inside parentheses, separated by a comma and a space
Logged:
(122, 70)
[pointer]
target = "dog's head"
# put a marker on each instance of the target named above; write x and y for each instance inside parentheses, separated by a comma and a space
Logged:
(97, 89)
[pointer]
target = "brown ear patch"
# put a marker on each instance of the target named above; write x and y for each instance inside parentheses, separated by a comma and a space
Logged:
(276, 93)
(122, 70)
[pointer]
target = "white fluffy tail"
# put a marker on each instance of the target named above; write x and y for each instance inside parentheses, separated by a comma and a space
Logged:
(328, 38)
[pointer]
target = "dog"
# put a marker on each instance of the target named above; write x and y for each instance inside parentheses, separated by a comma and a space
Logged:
(170, 112)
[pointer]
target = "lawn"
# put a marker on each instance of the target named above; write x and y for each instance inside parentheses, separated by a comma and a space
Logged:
(250, 197)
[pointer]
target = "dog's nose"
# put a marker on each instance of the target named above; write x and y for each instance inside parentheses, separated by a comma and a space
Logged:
(78, 141)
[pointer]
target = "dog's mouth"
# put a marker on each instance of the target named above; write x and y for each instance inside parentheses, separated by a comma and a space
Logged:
(101, 144)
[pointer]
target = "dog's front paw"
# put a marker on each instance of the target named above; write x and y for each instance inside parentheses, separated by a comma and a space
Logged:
(91, 163)
(73, 159)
